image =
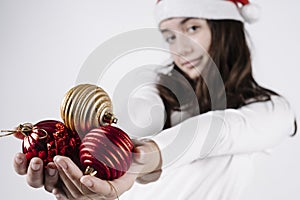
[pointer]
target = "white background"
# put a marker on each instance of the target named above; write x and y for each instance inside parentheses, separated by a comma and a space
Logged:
(44, 43)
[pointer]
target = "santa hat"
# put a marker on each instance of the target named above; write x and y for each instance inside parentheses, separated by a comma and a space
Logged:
(241, 10)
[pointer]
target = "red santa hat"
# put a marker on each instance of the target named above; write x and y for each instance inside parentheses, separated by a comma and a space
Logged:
(241, 10)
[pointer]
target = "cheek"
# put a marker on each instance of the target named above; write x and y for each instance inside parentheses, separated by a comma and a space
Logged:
(175, 56)
(177, 60)
(203, 46)
(207, 44)
(204, 41)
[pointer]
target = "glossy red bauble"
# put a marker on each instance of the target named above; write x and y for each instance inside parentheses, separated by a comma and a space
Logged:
(106, 152)
(47, 139)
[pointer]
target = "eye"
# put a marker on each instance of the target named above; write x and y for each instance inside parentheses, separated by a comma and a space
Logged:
(193, 29)
(170, 39)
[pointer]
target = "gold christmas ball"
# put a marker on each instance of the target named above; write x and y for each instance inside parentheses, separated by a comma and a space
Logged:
(85, 107)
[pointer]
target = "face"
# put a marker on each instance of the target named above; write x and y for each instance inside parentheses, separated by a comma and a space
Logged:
(189, 40)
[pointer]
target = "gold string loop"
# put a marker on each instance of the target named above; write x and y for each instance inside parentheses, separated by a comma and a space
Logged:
(43, 130)
(113, 188)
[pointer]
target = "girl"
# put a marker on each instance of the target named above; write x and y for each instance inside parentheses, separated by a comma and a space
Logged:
(209, 136)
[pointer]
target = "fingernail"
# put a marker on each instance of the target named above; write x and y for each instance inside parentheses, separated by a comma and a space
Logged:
(51, 172)
(54, 191)
(60, 163)
(18, 160)
(139, 155)
(36, 166)
(63, 165)
(87, 183)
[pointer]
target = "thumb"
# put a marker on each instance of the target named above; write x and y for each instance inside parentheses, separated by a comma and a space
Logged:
(145, 152)
(140, 154)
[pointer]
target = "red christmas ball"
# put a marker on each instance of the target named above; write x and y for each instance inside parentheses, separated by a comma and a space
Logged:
(47, 139)
(106, 152)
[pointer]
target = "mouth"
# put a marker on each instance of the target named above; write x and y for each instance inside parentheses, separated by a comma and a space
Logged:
(192, 63)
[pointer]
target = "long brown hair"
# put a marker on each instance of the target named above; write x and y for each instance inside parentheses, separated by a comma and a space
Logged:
(230, 53)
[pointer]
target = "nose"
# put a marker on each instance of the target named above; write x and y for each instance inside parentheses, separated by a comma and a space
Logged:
(183, 45)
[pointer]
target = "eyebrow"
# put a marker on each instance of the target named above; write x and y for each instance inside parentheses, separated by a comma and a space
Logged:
(182, 22)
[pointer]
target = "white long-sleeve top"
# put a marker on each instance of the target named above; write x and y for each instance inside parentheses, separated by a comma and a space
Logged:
(209, 156)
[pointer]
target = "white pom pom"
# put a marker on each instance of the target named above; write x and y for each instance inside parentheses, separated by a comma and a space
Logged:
(250, 12)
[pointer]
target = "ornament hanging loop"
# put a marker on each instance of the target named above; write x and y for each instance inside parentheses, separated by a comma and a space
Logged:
(46, 133)
(25, 129)
(8, 132)
(90, 171)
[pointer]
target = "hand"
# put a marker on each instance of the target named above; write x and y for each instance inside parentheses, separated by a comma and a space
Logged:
(78, 186)
(34, 172)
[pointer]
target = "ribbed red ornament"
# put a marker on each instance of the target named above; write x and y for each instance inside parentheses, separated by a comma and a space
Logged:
(106, 152)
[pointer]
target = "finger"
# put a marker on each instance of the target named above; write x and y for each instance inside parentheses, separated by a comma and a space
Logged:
(126, 181)
(20, 163)
(51, 177)
(68, 187)
(112, 189)
(59, 189)
(105, 189)
(96, 185)
(137, 142)
(139, 154)
(70, 169)
(145, 152)
(70, 174)
(35, 174)
(67, 193)
(59, 194)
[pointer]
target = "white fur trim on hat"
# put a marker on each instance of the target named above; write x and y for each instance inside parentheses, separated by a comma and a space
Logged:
(207, 9)
(250, 12)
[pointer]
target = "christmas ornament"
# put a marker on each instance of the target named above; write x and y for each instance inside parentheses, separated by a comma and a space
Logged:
(85, 107)
(47, 139)
(106, 152)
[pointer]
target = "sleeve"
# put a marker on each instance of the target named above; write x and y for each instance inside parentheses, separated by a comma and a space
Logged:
(252, 128)
(142, 114)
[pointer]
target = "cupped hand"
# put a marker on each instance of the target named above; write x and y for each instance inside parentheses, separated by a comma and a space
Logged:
(35, 175)
(66, 181)
(76, 185)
